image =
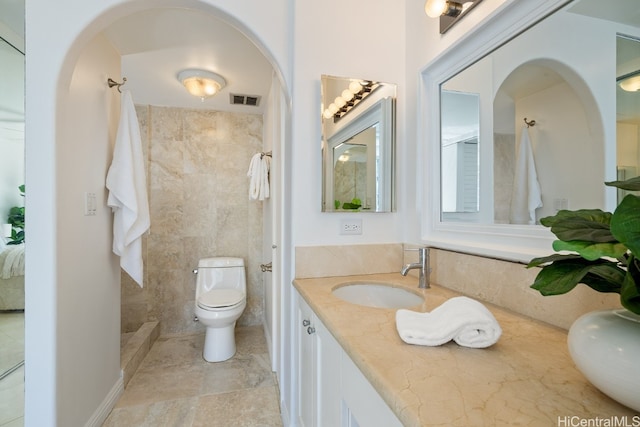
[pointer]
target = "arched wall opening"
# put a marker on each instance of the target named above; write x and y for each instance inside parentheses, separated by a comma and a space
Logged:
(567, 135)
(73, 362)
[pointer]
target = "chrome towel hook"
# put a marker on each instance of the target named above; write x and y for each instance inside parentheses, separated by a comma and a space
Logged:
(113, 83)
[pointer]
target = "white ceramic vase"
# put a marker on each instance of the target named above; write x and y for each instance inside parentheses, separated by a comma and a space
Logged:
(605, 346)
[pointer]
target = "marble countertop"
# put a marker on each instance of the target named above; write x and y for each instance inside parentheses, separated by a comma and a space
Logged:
(526, 378)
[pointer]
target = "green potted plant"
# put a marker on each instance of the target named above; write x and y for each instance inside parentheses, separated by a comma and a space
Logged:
(605, 246)
(16, 219)
(604, 254)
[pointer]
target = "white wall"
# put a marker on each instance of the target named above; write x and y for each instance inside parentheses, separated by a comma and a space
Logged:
(88, 274)
(423, 44)
(348, 39)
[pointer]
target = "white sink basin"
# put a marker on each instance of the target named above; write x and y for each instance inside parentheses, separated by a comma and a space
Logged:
(378, 295)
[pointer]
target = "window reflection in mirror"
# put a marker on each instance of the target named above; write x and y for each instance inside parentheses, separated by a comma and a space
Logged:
(358, 133)
(459, 154)
(627, 112)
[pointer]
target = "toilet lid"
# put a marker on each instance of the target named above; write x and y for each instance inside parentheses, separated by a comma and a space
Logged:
(217, 298)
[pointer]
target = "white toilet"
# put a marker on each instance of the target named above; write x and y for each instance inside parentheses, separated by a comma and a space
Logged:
(221, 296)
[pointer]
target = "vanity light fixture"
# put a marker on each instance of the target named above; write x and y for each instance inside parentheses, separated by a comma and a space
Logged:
(349, 98)
(630, 82)
(448, 11)
(201, 83)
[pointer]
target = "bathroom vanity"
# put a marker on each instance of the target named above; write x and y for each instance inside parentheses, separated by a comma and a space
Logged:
(354, 366)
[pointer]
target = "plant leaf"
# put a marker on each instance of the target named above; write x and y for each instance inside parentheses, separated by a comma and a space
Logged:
(632, 184)
(551, 258)
(630, 291)
(563, 275)
(591, 251)
(591, 225)
(625, 223)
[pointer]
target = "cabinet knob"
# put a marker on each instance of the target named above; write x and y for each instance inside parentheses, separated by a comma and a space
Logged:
(306, 322)
(311, 330)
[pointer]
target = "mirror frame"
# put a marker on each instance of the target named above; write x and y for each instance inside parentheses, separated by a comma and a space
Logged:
(509, 242)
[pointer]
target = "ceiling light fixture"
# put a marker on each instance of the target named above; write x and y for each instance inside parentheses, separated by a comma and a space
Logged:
(448, 11)
(630, 82)
(201, 83)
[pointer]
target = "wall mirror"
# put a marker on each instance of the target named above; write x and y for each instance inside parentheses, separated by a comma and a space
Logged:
(519, 122)
(358, 142)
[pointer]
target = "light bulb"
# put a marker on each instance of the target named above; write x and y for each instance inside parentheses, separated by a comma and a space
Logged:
(340, 102)
(347, 95)
(355, 87)
(333, 108)
(327, 114)
(435, 8)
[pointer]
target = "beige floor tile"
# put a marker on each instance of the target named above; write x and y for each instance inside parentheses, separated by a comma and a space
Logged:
(170, 413)
(238, 373)
(175, 386)
(245, 408)
(251, 340)
(162, 383)
(175, 350)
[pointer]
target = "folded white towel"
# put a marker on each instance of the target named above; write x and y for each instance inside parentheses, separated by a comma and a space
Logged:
(259, 174)
(127, 184)
(461, 319)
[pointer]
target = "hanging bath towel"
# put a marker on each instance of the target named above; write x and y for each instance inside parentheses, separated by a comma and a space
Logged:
(126, 182)
(525, 196)
(259, 176)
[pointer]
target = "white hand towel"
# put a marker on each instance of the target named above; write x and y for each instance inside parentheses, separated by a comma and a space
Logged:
(126, 181)
(259, 177)
(525, 196)
(463, 320)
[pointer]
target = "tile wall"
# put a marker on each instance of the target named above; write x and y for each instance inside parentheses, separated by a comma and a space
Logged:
(197, 163)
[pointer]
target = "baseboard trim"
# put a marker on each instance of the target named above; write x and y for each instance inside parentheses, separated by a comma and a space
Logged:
(110, 400)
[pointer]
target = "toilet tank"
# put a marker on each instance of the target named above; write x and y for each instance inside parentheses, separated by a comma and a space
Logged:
(221, 273)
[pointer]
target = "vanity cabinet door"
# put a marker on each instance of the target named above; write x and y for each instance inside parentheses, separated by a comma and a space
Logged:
(362, 405)
(328, 353)
(332, 391)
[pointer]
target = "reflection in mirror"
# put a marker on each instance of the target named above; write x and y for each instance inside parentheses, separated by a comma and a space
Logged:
(358, 132)
(627, 110)
(459, 151)
(532, 70)
(531, 171)
(12, 175)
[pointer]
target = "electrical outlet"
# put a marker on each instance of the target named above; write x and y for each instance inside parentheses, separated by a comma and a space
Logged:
(351, 226)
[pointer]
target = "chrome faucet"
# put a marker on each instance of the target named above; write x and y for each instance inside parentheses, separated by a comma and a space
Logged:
(423, 265)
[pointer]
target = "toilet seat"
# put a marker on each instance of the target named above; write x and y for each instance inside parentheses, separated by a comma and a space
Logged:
(220, 298)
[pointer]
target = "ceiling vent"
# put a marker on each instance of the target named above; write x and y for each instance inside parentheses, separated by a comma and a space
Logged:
(237, 99)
